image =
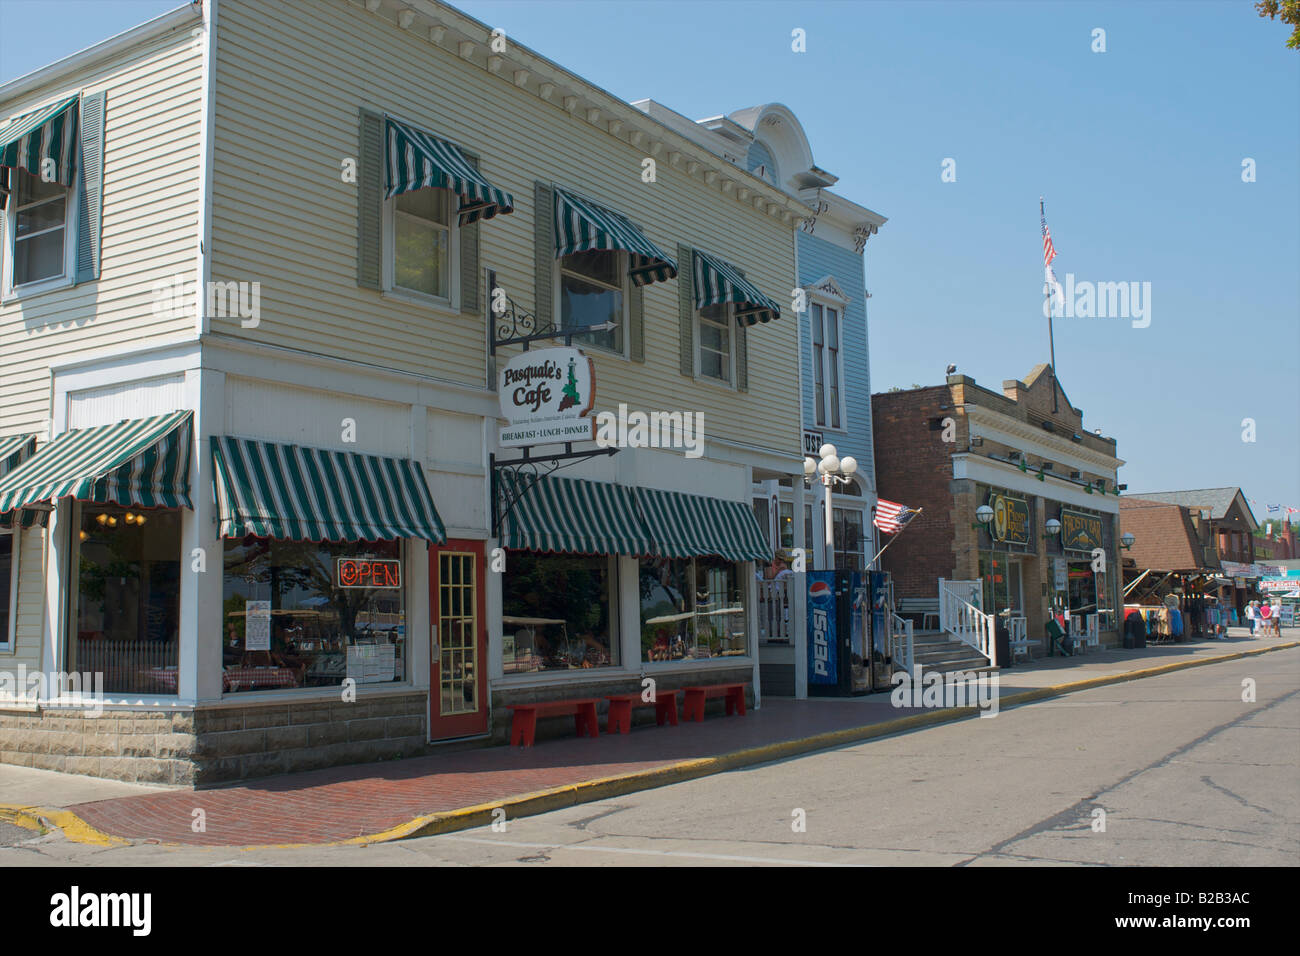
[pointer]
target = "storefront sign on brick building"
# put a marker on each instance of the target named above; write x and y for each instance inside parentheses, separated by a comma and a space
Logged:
(1080, 531)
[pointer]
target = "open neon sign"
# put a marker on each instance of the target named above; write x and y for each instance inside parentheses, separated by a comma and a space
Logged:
(368, 573)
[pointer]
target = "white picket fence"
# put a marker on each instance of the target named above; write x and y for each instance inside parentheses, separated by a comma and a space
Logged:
(776, 609)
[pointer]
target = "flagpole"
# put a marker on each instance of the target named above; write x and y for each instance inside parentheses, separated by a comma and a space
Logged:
(893, 538)
(1051, 333)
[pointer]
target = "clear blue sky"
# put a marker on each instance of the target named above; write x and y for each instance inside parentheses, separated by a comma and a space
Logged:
(1137, 150)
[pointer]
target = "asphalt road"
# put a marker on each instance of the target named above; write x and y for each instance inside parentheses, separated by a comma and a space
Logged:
(1185, 772)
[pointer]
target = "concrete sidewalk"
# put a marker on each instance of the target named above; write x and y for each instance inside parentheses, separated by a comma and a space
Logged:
(378, 802)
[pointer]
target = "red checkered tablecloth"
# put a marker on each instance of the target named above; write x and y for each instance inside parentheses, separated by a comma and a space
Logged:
(252, 678)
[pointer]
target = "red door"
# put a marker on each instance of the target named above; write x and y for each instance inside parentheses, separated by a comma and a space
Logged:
(458, 636)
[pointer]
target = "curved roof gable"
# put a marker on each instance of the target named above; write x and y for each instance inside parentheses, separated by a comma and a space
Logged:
(777, 128)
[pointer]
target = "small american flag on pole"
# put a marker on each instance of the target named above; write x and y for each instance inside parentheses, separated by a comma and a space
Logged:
(1049, 250)
(891, 516)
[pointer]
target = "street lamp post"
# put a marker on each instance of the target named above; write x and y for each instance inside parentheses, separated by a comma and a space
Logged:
(833, 470)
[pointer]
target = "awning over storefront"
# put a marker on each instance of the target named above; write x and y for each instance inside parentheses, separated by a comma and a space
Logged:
(141, 462)
(718, 281)
(571, 515)
(418, 160)
(311, 494)
(595, 517)
(47, 133)
(689, 526)
(14, 450)
(582, 225)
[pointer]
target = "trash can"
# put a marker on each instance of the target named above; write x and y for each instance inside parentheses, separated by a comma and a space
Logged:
(1002, 639)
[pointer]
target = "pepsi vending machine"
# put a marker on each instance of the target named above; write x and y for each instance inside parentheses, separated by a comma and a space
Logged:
(848, 644)
(836, 613)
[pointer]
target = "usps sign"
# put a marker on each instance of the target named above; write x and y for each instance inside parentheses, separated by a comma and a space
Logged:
(547, 396)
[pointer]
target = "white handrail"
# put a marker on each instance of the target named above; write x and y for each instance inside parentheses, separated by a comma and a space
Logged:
(964, 620)
(900, 643)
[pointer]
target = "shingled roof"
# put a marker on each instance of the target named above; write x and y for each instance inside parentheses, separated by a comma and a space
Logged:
(1165, 539)
(1215, 500)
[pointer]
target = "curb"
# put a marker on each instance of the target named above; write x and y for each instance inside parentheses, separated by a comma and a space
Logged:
(589, 791)
(42, 819)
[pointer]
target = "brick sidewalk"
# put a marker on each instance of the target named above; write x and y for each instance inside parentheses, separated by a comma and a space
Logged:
(347, 802)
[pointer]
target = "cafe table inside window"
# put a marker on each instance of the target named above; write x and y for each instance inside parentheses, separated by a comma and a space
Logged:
(519, 650)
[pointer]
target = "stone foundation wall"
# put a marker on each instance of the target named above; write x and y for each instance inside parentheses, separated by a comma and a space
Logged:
(215, 745)
(135, 746)
(258, 741)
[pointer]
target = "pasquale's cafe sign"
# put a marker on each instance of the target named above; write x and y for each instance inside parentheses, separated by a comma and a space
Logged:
(1010, 519)
(546, 396)
(1080, 531)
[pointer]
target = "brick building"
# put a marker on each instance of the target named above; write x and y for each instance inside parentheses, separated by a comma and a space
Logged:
(1023, 451)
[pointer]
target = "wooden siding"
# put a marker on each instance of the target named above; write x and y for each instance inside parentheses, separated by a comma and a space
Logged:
(819, 258)
(152, 178)
(290, 84)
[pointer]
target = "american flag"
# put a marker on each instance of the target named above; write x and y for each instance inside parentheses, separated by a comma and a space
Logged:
(891, 516)
(1049, 250)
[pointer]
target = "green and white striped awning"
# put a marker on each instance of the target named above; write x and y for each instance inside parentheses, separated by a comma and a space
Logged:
(47, 133)
(310, 494)
(574, 516)
(418, 160)
(141, 462)
(14, 450)
(582, 225)
(718, 281)
(692, 526)
(570, 515)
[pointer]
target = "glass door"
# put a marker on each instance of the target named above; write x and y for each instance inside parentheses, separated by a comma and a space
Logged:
(458, 641)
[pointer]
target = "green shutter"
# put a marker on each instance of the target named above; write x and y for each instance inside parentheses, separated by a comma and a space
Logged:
(636, 322)
(686, 310)
(370, 189)
(742, 360)
(543, 252)
(469, 269)
(91, 188)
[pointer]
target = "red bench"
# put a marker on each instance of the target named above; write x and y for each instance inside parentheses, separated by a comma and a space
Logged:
(695, 697)
(620, 710)
(523, 721)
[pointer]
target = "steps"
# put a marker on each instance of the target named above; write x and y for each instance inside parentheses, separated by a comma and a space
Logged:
(938, 651)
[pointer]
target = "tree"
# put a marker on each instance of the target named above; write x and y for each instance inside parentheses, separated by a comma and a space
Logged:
(1289, 11)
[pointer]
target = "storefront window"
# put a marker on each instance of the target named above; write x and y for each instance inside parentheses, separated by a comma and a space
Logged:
(691, 609)
(1082, 588)
(6, 572)
(787, 525)
(557, 612)
(127, 607)
(848, 539)
(308, 614)
(1000, 575)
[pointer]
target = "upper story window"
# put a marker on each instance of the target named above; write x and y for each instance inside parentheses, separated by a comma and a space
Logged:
(51, 177)
(717, 354)
(419, 203)
(827, 364)
(593, 290)
(40, 229)
(424, 247)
